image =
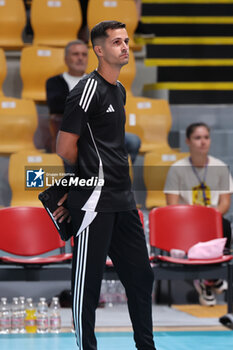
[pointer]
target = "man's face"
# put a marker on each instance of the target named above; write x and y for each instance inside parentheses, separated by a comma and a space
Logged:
(76, 59)
(199, 141)
(115, 47)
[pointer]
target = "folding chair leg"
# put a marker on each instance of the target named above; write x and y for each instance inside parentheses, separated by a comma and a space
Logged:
(157, 291)
(169, 285)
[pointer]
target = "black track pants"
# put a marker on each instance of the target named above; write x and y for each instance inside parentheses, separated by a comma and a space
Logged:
(119, 235)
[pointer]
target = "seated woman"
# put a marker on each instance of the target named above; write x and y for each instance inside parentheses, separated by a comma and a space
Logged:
(202, 180)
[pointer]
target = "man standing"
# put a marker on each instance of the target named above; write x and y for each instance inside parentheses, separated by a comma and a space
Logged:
(104, 214)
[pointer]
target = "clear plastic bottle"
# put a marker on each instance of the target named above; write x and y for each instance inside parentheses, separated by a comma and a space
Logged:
(30, 319)
(111, 293)
(22, 309)
(42, 320)
(5, 317)
(103, 290)
(55, 316)
(15, 316)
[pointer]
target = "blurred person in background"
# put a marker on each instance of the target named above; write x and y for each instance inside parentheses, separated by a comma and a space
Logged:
(59, 86)
(202, 180)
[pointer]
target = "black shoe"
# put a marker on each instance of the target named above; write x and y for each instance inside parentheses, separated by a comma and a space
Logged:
(227, 320)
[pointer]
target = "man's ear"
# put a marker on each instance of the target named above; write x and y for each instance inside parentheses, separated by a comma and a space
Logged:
(98, 50)
(187, 141)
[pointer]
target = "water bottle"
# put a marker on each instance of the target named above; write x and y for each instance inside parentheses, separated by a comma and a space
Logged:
(22, 316)
(103, 291)
(30, 319)
(5, 317)
(15, 316)
(42, 320)
(55, 316)
(111, 293)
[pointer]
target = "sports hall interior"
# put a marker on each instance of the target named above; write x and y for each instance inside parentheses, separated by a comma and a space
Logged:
(179, 72)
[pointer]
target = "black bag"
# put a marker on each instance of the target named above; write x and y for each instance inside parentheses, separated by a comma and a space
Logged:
(227, 320)
(49, 198)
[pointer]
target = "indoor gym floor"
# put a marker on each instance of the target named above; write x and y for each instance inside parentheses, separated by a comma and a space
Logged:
(173, 330)
(178, 340)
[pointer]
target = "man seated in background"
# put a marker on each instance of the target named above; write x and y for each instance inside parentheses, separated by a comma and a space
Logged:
(202, 180)
(59, 86)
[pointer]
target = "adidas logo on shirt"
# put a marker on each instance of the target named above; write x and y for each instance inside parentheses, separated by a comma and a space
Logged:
(110, 109)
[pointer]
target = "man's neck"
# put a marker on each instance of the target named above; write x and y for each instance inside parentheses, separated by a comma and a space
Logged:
(199, 160)
(109, 74)
(75, 74)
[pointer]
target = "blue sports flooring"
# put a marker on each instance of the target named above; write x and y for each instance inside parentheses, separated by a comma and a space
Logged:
(206, 340)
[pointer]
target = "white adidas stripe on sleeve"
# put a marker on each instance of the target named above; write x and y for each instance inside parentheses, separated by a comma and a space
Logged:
(88, 94)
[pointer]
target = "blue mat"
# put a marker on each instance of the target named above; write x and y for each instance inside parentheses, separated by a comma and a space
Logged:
(218, 340)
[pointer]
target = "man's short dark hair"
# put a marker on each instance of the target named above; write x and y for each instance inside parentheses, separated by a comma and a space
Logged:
(99, 30)
(74, 42)
(192, 127)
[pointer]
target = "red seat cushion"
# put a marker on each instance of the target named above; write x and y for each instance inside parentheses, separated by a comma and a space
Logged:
(38, 260)
(170, 259)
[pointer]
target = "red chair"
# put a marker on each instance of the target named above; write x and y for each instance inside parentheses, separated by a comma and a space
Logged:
(29, 232)
(180, 227)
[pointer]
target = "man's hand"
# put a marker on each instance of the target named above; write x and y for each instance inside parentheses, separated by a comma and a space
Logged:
(61, 213)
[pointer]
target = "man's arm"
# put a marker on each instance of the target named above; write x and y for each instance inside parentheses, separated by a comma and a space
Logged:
(172, 199)
(66, 147)
(224, 203)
